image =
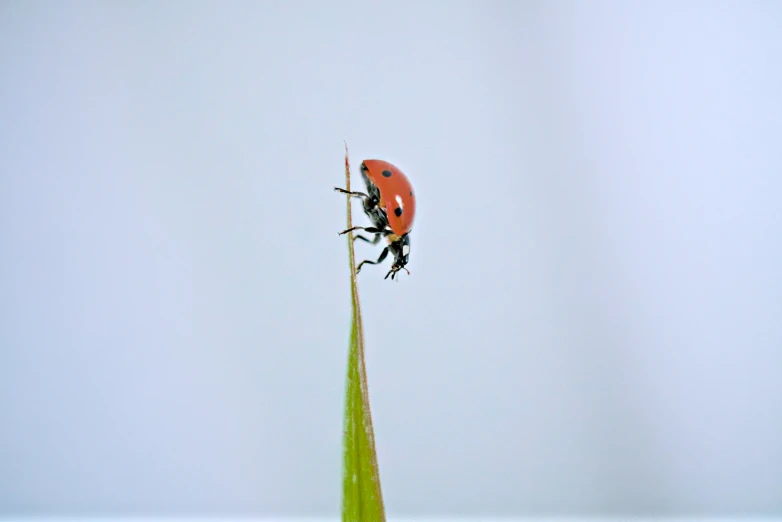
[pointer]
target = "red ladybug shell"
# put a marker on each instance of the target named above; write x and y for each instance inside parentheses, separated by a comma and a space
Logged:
(396, 194)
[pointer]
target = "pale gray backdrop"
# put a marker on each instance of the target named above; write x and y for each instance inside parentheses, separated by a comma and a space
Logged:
(593, 323)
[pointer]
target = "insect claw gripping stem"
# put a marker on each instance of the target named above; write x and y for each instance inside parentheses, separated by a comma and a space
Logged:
(354, 194)
(371, 230)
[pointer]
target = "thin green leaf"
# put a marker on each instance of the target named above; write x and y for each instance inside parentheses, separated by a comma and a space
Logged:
(362, 498)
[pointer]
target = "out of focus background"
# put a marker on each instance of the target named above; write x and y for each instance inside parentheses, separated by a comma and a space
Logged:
(593, 321)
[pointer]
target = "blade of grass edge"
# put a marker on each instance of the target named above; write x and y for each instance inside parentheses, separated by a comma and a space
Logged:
(362, 498)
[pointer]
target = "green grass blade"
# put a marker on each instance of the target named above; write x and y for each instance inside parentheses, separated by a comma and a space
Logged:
(362, 498)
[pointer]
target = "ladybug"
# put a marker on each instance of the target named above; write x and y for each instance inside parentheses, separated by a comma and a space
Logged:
(390, 205)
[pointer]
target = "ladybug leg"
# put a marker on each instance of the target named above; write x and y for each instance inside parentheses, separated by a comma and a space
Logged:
(354, 194)
(371, 241)
(371, 230)
(370, 201)
(380, 259)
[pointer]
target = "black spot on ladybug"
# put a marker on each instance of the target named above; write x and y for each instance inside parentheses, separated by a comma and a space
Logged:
(398, 211)
(411, 192)
(386, 173)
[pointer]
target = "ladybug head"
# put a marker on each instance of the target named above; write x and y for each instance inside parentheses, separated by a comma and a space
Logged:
(401, 250)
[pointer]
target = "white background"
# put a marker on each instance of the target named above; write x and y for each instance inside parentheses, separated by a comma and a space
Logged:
(593, 320)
